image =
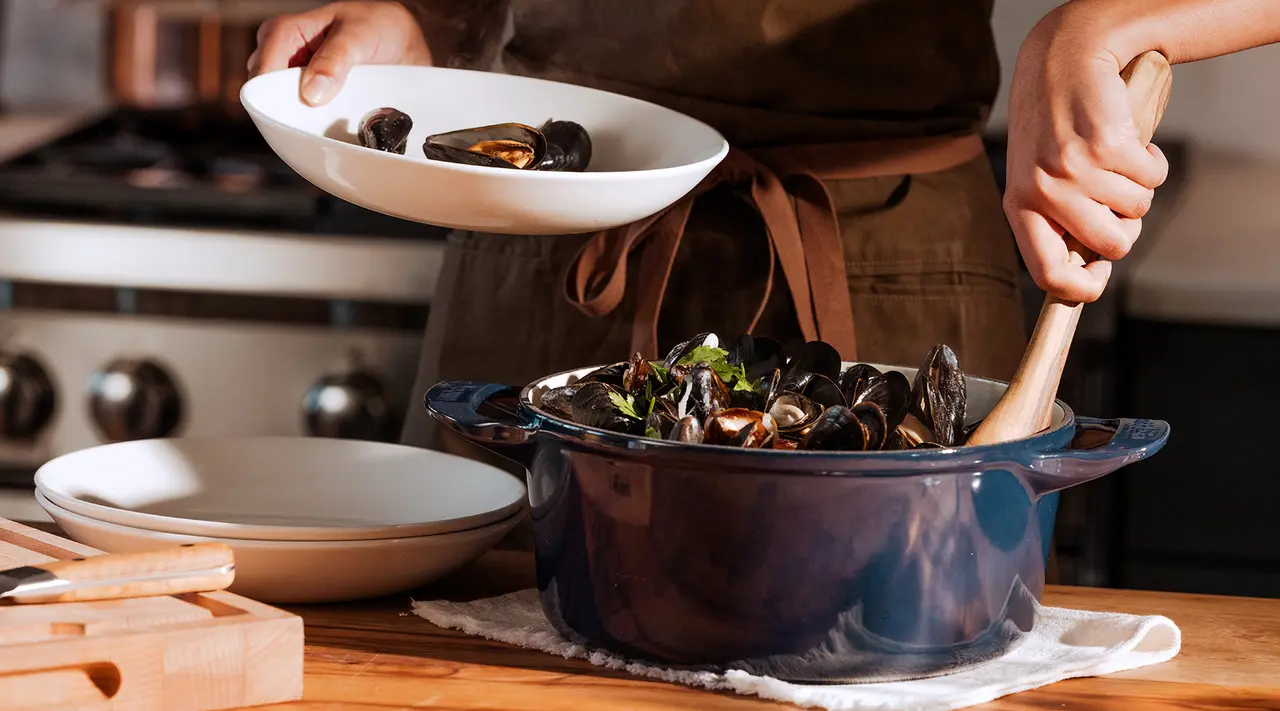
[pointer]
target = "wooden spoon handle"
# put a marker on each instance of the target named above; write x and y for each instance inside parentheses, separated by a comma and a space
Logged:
(1027, 405)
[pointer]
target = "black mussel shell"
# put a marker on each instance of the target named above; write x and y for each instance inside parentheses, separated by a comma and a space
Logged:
(873, 423)
(449, 154)
(938, 395)
(637, 374)
(816, 357)
(386, 129)
(559, 401)
(968, 431)
(663, 418)
(609, 374)
(757, 356)
(750, 399)
(568, 147)
(504, 145)
(738, 427)
(683, 349)
(593, 407)
(823, 391)
(794, 413)
(891, 391)
(702, 393)
(688, 429)
(838, 429)
(854, 381)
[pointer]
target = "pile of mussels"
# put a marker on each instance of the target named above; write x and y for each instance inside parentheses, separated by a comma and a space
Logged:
(556, 145)
(750, 393)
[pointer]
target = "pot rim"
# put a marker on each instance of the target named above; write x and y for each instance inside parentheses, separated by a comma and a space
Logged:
(1055, 437)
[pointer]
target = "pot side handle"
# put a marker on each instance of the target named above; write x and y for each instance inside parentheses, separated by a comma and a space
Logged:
(457, 405)
(1099, 448)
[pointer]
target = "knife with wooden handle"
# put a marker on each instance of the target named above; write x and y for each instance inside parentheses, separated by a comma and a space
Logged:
(193, 567)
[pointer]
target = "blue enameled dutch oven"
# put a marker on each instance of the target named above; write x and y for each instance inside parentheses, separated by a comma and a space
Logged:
(808, 566)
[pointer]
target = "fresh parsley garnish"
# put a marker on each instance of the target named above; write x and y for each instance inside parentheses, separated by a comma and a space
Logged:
(652, 433)
(626, 406)
(735, 376)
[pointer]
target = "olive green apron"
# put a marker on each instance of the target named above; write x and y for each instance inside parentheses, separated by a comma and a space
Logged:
(856, 186)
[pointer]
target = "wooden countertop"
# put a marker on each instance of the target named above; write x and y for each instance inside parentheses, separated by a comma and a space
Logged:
(378, 655)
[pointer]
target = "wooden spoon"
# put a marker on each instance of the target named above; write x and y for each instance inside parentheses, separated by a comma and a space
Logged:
(1027, 405)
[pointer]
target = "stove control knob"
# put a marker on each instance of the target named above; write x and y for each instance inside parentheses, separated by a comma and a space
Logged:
(134, 399)
(350, 405)
(27, 397)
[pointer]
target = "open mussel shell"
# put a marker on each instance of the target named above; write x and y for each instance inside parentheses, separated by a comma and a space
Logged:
(385, 129)
(503, 145)
(891, 391)
(568, 147)
(794, 413)
(592, 406)
(738, 427)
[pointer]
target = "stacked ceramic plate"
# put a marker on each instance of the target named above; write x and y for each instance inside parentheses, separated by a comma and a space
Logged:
(309, 519)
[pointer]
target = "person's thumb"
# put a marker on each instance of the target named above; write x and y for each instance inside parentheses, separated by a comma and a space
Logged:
(324, 75)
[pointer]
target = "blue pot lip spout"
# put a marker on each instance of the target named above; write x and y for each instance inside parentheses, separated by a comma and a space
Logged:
(1056, 437)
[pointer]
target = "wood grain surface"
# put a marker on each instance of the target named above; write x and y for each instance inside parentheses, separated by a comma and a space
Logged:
(377, 655)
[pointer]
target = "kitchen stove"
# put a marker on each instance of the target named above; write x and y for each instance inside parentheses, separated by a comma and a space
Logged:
(164, 273)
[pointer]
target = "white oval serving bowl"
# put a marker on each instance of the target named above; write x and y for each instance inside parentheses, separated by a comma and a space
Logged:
(304, 572)
(280, 488)
(644, 157)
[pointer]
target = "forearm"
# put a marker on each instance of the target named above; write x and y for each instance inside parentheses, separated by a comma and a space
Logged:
(1181, 30)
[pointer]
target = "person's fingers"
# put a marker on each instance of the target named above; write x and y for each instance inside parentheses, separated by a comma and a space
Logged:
(1094, 225)
(1116, 146)
(1048, 260)
(282, 40)
(1125, 197)
(345, 45)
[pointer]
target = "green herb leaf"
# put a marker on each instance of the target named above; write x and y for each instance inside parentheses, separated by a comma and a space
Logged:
(705, 354)
(659, 371)
(735, 376)
(652, 433)
(626, 406)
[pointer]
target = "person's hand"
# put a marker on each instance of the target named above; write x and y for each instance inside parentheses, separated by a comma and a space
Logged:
(329, 40)
(1075, 161)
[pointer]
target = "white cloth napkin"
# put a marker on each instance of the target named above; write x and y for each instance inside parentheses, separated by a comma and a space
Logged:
(1065, 643)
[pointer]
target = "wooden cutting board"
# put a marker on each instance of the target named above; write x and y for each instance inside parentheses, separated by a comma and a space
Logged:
(196, 652)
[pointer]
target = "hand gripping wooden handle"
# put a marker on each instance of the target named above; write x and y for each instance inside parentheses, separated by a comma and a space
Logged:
(1027, 405)
(196, 567)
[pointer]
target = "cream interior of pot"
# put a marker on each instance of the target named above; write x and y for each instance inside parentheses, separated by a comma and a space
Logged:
(982, 394)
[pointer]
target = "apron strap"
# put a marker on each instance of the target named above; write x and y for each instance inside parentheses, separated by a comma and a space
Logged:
(801, 223)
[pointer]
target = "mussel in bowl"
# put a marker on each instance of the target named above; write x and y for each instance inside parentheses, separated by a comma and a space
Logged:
(561, 146)
(385, 129)
(753, 393)
(503, 145)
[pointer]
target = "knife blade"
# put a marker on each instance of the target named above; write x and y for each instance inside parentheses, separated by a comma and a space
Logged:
(192, 567)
